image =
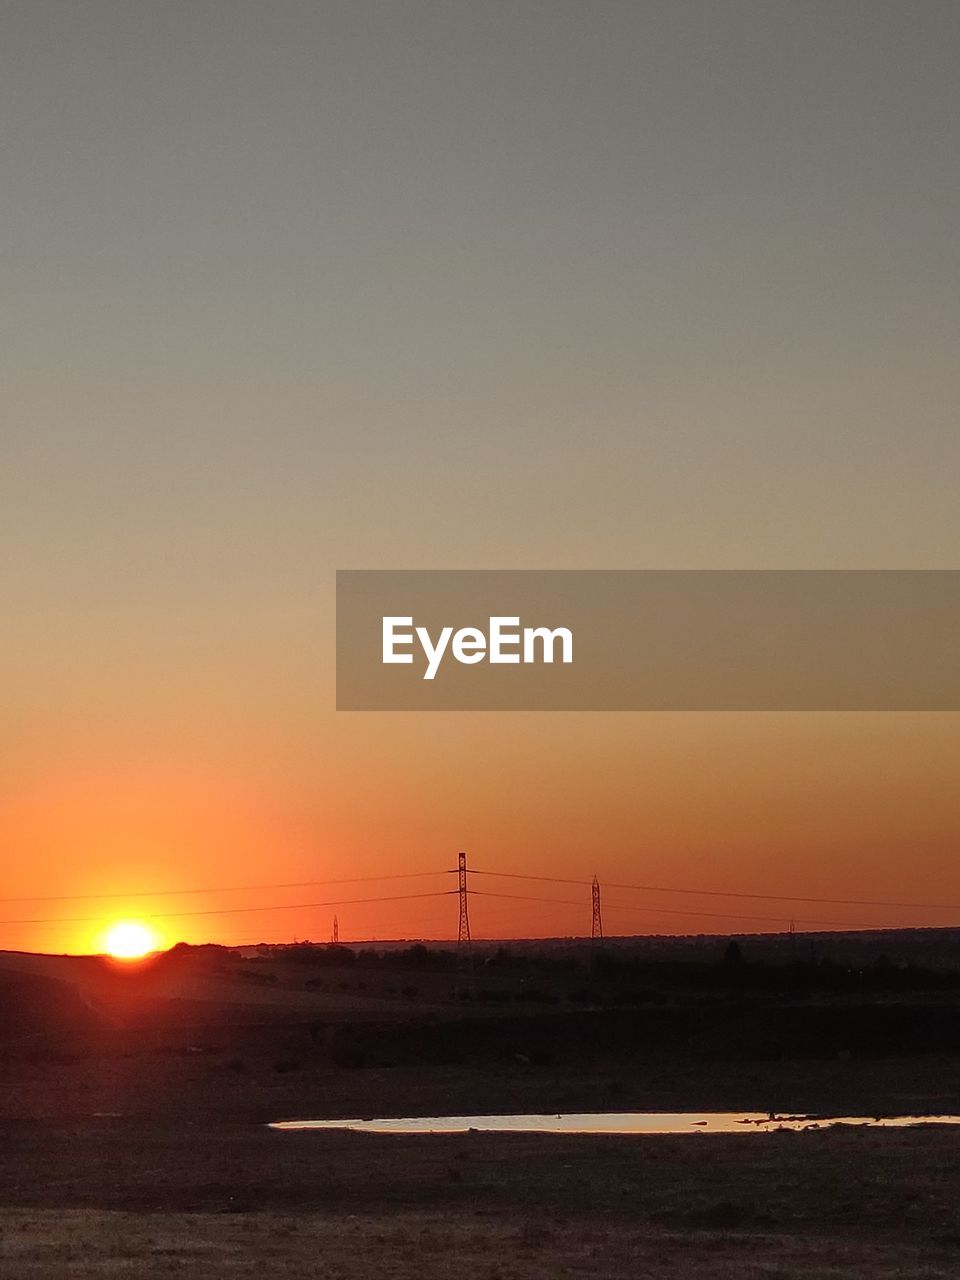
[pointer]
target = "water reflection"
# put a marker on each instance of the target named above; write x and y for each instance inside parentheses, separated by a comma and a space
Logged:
(659, 1122)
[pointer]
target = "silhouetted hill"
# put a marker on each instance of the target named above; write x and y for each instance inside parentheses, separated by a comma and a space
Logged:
(31, 1004)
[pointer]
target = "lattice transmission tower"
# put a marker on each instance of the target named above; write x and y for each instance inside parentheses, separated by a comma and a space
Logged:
(463, 983)
(463, 928)
(596, 928)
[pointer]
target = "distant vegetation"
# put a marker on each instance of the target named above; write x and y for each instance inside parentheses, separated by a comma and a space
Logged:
(600, 976)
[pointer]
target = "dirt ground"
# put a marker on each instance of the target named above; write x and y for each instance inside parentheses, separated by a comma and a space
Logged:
(148, 1160)
(232, 1202)
(92, 1244)
(136, 1144)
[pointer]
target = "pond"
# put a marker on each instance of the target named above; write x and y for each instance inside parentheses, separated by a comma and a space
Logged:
(641, 1122)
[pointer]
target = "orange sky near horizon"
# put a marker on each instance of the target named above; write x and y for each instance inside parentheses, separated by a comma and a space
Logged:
(816, 805)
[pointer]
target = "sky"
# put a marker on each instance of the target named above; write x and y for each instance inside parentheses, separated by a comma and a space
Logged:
(296, 287)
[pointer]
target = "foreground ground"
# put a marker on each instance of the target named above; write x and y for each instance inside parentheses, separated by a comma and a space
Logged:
(228, 1202)
(136, 1144)
(183, 1178)
(398, 1246)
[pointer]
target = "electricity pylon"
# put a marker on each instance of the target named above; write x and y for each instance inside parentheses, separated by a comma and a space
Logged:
(464, 957)
(463, 928)
(596, 928)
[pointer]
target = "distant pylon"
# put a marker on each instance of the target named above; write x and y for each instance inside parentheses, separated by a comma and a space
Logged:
(596, 928)
(463, 928)
(335, 936)
(463, 983)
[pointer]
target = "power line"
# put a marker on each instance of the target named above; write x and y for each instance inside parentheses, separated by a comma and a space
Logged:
(240, 888)
(507, 875)
(649, 909)
(233, 911)
(729, 893)
(672, 911)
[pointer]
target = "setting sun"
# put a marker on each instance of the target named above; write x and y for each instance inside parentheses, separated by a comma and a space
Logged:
(130, 940)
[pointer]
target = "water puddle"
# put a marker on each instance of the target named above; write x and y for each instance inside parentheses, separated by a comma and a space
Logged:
(658, 1122)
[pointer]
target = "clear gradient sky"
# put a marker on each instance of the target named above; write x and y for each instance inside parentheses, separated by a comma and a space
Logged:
(297, 286)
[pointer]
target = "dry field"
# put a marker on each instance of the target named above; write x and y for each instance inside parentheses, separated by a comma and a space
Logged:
(143, 1152)
(90, 1245)
(234, 1200)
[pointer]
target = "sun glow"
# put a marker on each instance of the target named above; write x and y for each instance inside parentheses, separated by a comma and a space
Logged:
(130, 940)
